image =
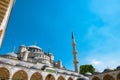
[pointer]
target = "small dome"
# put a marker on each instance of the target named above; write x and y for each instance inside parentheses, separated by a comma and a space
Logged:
(118, 68)
(22, 64)
(22, 45)
(97, 72)
(107, 70)
(88, 74)
(73, 74)
(35, 67)
(83, 78)
(47, 65)
(65, 73)
(51, 54)
(34, 46)
(12, 54)
(80, 75)
(6, 61)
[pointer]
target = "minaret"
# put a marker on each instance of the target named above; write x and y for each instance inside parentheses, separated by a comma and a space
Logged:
(74, 54)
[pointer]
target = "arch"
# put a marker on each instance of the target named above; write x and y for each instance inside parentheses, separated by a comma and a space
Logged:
(108, 77)
(118, 76)
(50, 77)
(61, 78)
(36, 76)
(21, 75)
(70, 78)
(95, 78)
(4, 73)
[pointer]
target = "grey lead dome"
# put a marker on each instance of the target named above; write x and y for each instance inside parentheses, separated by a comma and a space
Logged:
(83, 78)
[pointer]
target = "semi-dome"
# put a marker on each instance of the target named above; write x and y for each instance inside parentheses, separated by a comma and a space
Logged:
(107, 70)
(118, 67)
(12, 54)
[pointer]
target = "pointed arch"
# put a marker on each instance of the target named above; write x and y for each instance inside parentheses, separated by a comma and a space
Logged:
(108, 77)
(21, 75)
(118, 76)
(95, 78)
(61, 78)
(50, 77)
(36, 76)
(4, 73)
(70, 78)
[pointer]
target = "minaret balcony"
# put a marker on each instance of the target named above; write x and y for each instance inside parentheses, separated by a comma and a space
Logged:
(76, 62)
(74, 52)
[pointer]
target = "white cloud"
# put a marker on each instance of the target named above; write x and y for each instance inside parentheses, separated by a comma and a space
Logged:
(105, 39)
(103, 61)
(95, 62)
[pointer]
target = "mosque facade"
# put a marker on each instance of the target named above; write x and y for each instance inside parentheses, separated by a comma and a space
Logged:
(33, 63)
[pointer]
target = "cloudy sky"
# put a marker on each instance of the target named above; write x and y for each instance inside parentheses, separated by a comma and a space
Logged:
(95, 23)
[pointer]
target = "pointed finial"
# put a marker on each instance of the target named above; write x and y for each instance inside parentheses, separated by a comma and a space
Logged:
(72, 35)
(14, 48)
(35, 43)
(48, 50)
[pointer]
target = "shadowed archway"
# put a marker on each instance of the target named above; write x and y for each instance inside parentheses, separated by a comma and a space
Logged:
(36, 76)
(70, 78)
(108, 77)
(95, 78)
(20, 75)
(118, 76)
(61, 78)
(4, 74)
(50, 77)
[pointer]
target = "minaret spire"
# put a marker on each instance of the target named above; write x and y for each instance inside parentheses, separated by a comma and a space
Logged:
(74, 54)
(14, 49)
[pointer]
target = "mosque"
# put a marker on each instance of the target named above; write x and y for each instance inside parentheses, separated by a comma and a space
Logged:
(32, 62)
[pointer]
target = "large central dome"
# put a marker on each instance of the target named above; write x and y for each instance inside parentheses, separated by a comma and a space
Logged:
(34, 48)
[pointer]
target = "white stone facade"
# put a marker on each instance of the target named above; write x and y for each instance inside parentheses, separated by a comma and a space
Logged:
(24, 65)
(11, 67)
